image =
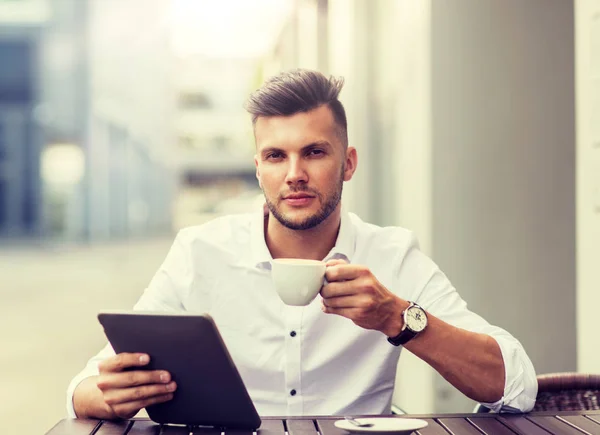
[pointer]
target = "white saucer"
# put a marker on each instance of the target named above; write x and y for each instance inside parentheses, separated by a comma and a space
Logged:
(383, 425)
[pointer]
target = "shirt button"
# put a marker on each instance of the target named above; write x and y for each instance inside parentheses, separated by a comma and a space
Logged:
(293, 333)
(293, 393)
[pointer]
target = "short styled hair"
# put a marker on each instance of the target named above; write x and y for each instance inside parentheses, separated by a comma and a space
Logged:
(299, 90)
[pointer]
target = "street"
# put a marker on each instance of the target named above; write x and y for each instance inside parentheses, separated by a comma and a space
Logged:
(49, 298)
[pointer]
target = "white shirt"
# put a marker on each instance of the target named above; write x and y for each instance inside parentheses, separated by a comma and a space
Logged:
(329, 366)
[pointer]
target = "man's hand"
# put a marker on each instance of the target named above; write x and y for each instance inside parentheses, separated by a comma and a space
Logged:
(125, 392)
(352, 291)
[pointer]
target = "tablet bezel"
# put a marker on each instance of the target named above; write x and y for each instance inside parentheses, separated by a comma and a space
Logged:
(186, 345)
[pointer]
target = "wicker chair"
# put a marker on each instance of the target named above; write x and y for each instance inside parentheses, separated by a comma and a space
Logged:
(568, 392)
(565, 392)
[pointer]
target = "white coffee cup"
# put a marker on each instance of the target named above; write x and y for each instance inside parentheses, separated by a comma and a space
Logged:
(297, 281)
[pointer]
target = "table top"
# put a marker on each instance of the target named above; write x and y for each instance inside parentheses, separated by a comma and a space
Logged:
(535, 423)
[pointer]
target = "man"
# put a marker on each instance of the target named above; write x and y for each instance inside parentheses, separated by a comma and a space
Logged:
(337, 355)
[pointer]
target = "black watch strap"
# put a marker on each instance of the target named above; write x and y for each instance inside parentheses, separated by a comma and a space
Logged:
(402, 338)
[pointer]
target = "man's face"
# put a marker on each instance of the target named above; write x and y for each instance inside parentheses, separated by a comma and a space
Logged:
(301, 165)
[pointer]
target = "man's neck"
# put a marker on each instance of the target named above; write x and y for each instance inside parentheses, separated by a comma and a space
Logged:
(314, 243)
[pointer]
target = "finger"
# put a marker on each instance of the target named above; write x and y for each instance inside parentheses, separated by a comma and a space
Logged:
(132, 378)
(343, 302)
(335, 262)
(128, 410)
(123, 361)
(344, 272)
(337, 289)
(349, 313)
(127, 395)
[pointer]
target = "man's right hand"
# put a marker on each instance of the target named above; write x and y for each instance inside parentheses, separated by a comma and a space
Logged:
(120, 391)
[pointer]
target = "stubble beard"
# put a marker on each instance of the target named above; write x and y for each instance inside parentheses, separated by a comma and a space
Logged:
(329, 205)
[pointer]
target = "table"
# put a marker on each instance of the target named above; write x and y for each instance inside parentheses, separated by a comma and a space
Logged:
(535, 423)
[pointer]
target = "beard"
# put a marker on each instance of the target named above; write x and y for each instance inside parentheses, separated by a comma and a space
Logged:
(328, 205)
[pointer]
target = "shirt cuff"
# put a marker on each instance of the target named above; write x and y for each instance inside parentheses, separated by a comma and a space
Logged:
(520, 386)
(72, 386)
(91, 369)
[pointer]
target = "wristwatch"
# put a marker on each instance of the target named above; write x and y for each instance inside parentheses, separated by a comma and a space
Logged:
(415, 321)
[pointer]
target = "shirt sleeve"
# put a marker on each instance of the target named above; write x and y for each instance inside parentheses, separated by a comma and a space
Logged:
(434, 292)
(91, 369)
(172, 282)
(166, 292)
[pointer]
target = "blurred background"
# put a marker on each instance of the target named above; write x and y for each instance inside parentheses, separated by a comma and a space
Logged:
(477, 124)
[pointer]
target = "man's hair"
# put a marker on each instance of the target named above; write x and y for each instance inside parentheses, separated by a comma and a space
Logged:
(297, 91)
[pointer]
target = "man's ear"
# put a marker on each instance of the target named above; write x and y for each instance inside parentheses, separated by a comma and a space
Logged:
(257, 171)
(351, 163)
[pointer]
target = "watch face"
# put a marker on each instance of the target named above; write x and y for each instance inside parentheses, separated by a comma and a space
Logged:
(416, 319)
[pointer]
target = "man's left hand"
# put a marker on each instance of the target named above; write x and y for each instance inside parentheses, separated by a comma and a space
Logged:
(352, 291)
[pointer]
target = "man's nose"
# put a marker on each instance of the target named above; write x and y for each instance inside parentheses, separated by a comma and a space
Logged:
(296, 172)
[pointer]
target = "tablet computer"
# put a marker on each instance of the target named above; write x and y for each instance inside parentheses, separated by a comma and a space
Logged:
(210, 390)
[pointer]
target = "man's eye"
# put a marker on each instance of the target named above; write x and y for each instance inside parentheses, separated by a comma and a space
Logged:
(315, 152)
(272, 156)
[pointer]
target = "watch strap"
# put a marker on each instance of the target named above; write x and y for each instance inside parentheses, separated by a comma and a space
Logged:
(404, 337)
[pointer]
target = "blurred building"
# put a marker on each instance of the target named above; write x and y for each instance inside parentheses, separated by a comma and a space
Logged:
(22, 25)
(130, 180)
(85, 119)
(214, 145)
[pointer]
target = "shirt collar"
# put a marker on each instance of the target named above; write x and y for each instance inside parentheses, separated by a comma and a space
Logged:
(261, 256)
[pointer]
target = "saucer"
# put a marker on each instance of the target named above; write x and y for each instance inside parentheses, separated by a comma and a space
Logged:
(384, 425)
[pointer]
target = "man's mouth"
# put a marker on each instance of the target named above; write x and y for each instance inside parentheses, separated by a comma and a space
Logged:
(298, 199)
(298, 196)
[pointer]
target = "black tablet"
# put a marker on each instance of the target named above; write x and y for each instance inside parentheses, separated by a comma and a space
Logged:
(210, 390)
